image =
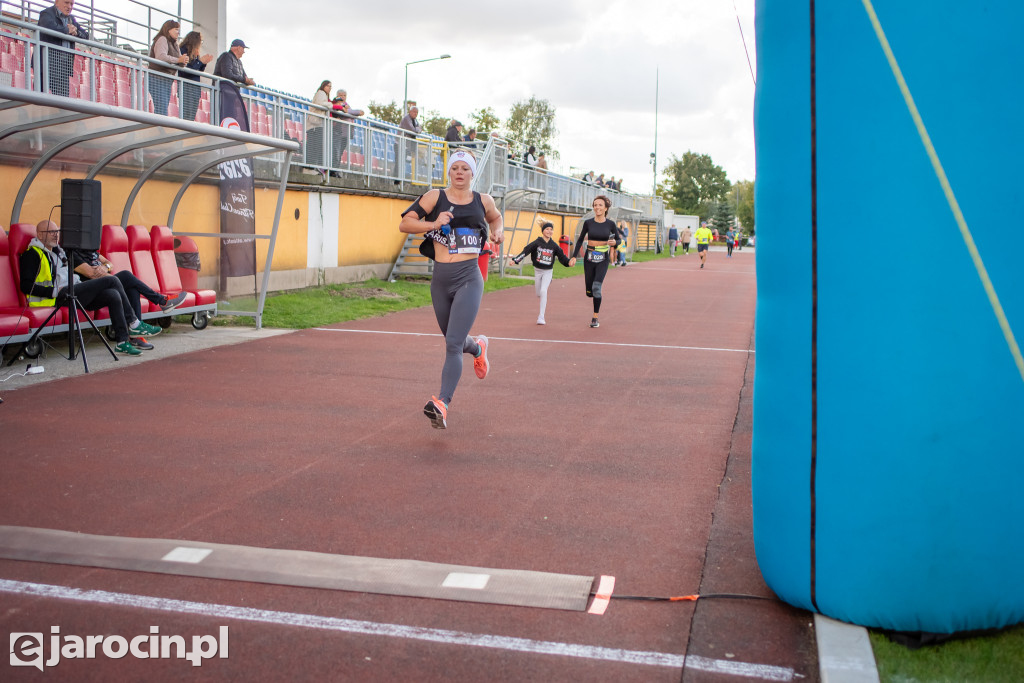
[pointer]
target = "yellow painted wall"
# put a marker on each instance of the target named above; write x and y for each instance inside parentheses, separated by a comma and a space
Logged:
(197, 212)
(150, 207)
(368, 229)
(292, 232)
(367, 225)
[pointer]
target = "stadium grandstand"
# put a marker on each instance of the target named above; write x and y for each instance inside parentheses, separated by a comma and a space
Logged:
(228, 177)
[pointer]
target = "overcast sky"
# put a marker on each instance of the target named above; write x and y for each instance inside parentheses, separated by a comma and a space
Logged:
(595, 62)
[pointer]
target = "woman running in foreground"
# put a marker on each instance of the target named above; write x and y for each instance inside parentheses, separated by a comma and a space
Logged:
(600, 234)
(543, 251)
(456, 223)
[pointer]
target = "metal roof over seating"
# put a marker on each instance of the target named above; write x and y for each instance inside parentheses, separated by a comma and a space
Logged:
(38, 130)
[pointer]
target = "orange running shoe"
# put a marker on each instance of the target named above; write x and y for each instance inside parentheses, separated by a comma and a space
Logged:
(480, 364)
(437, 411)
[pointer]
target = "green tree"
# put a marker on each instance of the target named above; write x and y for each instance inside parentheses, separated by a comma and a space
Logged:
(532, 122)
(485, 120)
(743, 193)
(693, 184)
(721, 217)
(388, 112)
(435, 124)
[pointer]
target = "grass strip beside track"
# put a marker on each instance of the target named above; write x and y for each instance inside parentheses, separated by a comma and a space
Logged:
(997, 658)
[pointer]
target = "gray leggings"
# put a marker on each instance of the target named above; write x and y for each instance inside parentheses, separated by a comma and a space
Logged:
(456, 290)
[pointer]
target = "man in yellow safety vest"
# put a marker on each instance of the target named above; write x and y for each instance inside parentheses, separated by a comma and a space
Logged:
(44, 281)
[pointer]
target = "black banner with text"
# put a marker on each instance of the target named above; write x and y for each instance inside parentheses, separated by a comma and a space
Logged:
(237, 194)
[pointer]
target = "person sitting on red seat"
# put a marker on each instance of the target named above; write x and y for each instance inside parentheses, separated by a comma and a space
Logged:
(91, 266)
(44, 282)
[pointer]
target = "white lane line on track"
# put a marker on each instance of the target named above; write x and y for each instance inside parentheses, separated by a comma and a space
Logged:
(342, 625)
(700, 270)
(38, 590)
(763, 672)
(545, 341)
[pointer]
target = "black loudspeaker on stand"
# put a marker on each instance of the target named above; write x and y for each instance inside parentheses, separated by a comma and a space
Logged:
(81, 225)
(81, 214)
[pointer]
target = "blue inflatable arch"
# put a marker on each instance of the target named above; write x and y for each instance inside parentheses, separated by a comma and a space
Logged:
(888, 471)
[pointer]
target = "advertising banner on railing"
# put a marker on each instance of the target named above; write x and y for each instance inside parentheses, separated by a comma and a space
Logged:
(237, 194)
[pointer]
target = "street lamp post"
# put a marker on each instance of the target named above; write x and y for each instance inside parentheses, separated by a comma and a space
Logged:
(405, 94)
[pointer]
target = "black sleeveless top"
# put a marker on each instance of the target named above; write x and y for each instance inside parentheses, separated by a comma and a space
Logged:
(468, 229)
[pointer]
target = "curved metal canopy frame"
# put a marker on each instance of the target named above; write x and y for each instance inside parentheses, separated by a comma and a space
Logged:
(41, 130)
(517, 199)
(36, 125)
(142, 144)
(163, 162)
(272, 237)
(188, 183)
(45, 159)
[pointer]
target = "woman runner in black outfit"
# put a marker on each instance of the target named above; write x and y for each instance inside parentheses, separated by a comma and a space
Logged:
(455, 223)
(600, 234)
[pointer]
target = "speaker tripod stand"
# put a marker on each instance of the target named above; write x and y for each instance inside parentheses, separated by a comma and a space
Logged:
(74, 325)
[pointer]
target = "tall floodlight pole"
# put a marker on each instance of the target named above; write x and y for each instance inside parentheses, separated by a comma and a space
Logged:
(654, 155)
(405, 93)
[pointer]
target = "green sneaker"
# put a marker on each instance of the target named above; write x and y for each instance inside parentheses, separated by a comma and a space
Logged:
(127, 349)
(144, 330)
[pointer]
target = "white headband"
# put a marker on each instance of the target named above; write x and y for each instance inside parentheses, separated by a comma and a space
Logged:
(461, 156)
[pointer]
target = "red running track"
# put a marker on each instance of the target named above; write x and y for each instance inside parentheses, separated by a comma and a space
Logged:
(621, 451)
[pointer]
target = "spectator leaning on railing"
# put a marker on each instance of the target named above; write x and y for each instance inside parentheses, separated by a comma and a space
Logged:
(530, 157)
(342, 110)
(191, 94)
(412, 128)
(409, 121)
(58, 18)
(165, 49)
(229, 64)
(542, 163)
(454, 132)
(315, 124)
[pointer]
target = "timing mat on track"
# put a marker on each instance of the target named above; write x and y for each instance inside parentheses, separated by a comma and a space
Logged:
(410, 578)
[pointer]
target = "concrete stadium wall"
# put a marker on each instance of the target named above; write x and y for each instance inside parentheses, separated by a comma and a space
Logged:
(323, 237)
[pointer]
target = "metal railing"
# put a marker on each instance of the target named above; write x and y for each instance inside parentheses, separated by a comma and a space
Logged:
(331, 144)
(99, 73)
(104, 26)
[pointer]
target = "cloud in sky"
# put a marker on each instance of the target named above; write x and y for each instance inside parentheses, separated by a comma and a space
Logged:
(594, 62)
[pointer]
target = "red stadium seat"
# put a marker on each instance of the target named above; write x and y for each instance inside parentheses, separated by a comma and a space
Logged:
(167, 269)
(114, 247)
(18, 238)
(141, 256)
(13, 320)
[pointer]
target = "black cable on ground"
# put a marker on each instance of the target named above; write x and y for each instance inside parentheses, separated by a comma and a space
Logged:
(689, 598)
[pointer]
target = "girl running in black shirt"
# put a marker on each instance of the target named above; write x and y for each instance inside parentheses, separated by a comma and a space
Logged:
(543, 251)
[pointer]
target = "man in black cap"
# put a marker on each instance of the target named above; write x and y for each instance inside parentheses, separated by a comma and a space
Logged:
(229, 64)
(454, 133)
